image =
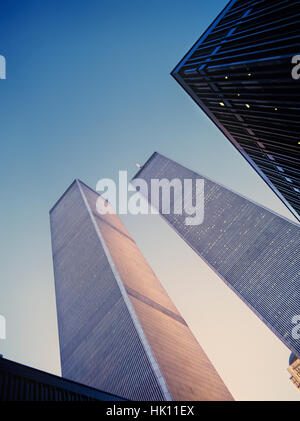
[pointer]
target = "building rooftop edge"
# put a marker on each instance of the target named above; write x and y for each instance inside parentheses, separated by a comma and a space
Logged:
(146, 164)
(199, 40)
(76, 180)
(220, 184)
(64, 193)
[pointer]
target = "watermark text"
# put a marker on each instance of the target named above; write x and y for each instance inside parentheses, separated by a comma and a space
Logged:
(296, 329)
(2, 67)
(296, 68)
(180, 197)
(2, 327)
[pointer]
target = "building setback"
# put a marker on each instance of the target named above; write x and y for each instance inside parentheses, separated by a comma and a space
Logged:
(118, 329)
(240, 74)
(255, 251)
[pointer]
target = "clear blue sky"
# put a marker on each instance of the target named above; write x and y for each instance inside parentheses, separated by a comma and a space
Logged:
(89, 92)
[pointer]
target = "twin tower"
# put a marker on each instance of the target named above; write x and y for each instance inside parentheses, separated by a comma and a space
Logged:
(118, 329)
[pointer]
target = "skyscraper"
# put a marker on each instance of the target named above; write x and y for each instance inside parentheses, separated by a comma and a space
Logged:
(242, 73)
(255, 251)
(118, 329)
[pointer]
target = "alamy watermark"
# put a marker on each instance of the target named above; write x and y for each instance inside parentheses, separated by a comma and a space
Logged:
(180, 197)
(296, 68)
(296, 329)
(2, 67)
(2, 327)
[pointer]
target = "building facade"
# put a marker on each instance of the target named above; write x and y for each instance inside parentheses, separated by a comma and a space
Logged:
(294, 370)
(242, 72)
(255, 251)
(118, 329)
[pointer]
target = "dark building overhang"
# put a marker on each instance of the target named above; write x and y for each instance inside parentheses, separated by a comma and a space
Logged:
(239, 73)
(22, 383)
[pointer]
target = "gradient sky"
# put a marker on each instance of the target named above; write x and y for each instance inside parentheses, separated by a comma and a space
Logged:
(88, 93)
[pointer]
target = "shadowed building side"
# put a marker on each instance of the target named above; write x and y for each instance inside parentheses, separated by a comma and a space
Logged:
(149, 343)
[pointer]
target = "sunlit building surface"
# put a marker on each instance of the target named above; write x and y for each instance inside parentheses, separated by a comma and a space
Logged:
(118, 329)
(240, 73)
(255, 251)
(294, 370)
